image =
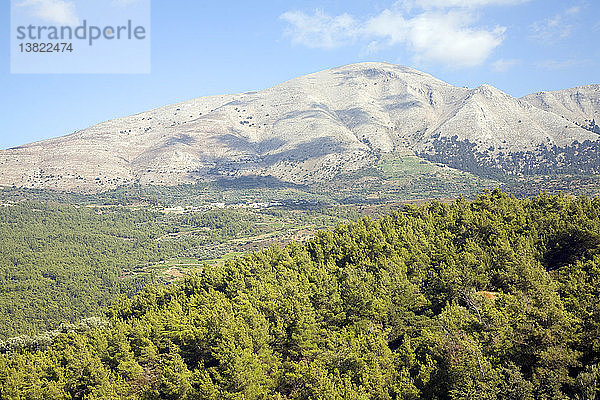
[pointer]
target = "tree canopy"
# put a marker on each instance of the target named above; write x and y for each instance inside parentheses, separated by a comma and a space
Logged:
(495, 298)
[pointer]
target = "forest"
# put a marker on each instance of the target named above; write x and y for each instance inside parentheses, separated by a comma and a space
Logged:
(494, 298)
(60, 263)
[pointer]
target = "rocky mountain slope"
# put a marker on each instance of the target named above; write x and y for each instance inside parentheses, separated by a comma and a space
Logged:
(580, 105)
(313, 128)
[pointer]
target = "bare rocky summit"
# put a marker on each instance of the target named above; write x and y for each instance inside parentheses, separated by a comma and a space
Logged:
(314, 127)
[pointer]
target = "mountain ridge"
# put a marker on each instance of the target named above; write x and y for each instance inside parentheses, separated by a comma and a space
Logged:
(311, 129)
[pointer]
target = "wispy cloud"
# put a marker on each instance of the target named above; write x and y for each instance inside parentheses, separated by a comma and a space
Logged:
(503, 65)
(441, 4)
(549, 30)
(573, 10)
(59, 12)
(123, 3)
(555, 65)
(439, 31)
(320, 30)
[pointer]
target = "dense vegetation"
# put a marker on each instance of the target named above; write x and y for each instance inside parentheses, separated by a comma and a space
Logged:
(491, 299)
(61, 263)
(578, 158)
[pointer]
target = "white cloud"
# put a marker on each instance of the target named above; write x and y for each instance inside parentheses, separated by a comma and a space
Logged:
(436, 37)
(59, 12)
(503, 65)
(431, 36)
(320, 30)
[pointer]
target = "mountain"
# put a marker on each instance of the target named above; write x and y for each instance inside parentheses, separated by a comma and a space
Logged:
(580, 105)
(314, 128)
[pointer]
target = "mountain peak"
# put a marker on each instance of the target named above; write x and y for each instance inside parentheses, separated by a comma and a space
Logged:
(489, 91)
(307, 130)
(377, 69)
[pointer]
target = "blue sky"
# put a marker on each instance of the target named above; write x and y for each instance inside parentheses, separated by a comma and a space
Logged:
(206, 48)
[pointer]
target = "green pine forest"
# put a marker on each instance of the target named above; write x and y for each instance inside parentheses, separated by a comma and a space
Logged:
(62, 262)
(494, 298)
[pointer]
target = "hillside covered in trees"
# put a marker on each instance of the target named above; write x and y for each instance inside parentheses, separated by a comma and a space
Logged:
(495, 298)
(64, 262)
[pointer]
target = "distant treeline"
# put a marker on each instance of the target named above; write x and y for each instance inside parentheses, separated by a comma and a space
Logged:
(576, 158)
